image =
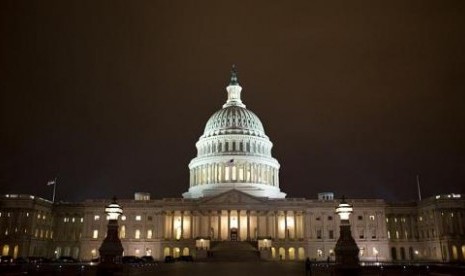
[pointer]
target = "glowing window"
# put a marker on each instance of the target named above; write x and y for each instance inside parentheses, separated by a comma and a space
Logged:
(137, 234)
(95, 234)
(149, 234)
(96, 217)
(138, 217)
(122, 232)
(372, 217)
(123, 217)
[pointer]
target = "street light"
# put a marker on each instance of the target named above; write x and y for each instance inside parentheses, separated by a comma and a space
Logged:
(343, 210)
(111, 249)
(347, 261)
(113, 210)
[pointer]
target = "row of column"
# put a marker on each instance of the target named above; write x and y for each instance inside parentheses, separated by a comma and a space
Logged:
(224, 173)
(284, 226)
(232, 146)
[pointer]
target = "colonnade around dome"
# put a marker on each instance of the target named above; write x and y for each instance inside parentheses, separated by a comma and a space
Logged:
(231, 172)
(234, 144)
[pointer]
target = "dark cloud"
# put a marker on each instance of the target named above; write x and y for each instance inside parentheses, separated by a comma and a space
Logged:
(357, 97)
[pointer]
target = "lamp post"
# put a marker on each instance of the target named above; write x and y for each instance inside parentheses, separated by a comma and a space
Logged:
(347, 261)
(111, 249)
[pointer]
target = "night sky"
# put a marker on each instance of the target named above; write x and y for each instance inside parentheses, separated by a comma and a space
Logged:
(111, 96)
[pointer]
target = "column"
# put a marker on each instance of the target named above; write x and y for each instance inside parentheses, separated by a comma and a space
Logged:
(460, 222)
(209, 230)
(162, 217)
(191, 226)
(238, 225)
(276, 225)
(172, 225)
(182, 224)
(219, 225)
(295, 226)
(258, 224)
(229, 225)
(286, 236)
(304, 225)
(267, 232)
(248, 224)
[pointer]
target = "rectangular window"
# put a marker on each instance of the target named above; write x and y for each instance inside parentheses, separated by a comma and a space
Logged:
(149, 218)
(318, 234)
(233, 173)
(372, 217)
(330, 218)
(96, 217)
(137, 234)
(149, 234)
(95, 234)
(361, 234)
(360, 217)
(138, 218)
(331, 234)
(226, 173)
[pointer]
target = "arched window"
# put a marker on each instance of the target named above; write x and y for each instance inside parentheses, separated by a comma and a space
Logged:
(291, 253)
(176, 252)
(455, 254)
(402, 254)
(6, 250)
(15, 251)
(122, 232)
(282, 253)
(185, 251)
(394, 253)
(301, 253)
(166, 252)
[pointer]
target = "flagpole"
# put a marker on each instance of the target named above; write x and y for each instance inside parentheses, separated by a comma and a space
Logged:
(54, 190)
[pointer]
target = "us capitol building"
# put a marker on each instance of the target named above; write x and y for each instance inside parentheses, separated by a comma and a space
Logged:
(234, 203)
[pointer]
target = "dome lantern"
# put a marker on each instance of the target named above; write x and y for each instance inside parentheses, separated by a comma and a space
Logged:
(234, 91)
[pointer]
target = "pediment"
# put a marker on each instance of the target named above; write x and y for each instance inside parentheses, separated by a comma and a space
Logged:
(235, 197)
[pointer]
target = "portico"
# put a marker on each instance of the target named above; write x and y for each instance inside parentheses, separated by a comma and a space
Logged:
(247, 222)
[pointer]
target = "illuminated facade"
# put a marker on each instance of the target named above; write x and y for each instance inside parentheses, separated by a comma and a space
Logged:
(234, 195)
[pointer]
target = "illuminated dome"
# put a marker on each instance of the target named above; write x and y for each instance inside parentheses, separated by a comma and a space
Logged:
(234, 153)
(234, 120)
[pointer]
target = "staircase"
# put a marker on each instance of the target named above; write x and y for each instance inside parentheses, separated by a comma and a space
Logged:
(233, 251)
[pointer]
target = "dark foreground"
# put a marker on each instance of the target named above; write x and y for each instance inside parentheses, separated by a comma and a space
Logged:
(227, 269)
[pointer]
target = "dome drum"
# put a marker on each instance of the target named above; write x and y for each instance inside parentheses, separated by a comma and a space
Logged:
(233, 145)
